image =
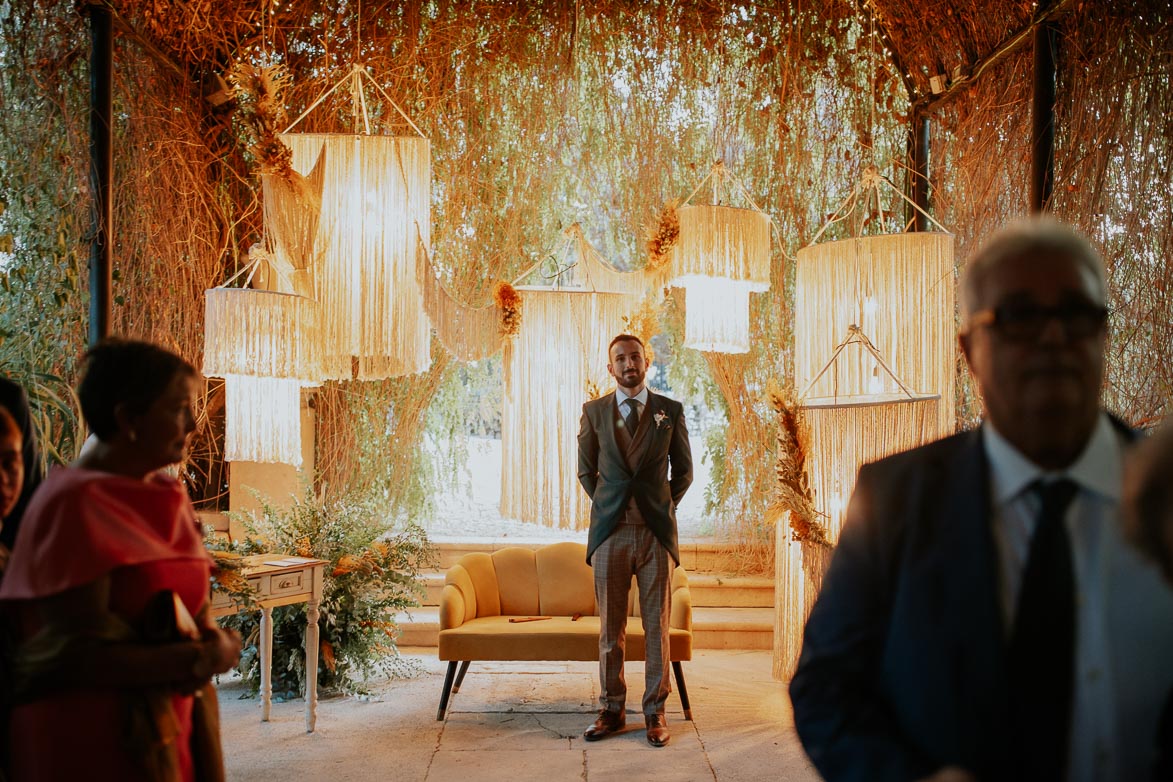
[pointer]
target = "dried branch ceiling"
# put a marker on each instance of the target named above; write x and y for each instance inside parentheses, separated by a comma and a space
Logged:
(924, 37)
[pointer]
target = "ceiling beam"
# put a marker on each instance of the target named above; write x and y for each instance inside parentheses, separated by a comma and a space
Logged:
(1017, 40)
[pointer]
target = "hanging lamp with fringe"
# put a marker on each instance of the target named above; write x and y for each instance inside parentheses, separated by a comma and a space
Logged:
(722, 255)
(375, 199)
(898, 286)
(265, 346)
(842, 431)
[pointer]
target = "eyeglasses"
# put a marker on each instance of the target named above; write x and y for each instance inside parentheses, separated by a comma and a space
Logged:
(1028, 321)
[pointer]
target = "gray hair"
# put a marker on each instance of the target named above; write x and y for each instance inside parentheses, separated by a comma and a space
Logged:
(1035, 236)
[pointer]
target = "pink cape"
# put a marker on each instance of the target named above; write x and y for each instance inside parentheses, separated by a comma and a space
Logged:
(80, 526)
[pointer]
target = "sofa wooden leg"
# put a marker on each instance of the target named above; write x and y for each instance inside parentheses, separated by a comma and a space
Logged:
(448, 677)
(460, 675)
(678, 671)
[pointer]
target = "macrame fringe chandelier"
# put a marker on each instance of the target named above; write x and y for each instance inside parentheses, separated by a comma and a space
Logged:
(375, 202)
(848, 430)
(722, 255)
(848, 433)
(843, 432)
(265, 346)
(899, 287)
(558, 361)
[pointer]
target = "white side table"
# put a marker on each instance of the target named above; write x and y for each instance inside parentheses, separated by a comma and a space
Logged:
(278, 580)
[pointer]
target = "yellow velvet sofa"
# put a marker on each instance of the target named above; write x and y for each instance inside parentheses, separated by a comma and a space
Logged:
(482, 592)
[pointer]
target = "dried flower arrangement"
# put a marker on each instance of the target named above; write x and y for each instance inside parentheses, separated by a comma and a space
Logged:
(794, 494)
(228, 575)
(663, 238)
(257, 89)
(508, 300)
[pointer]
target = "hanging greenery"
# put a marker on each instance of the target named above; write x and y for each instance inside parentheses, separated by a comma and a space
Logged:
(546, 113)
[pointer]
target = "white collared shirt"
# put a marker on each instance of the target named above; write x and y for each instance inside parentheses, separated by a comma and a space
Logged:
(1091, 519)
(621, 398)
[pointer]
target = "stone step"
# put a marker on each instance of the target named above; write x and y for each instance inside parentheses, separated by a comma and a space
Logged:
(724, 590)
(712, 628)
(697, 556)
(732, 628)
(709, 590)
(433, 585)
(418, 627)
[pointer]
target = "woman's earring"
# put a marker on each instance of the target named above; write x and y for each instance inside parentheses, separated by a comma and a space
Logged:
(133, 436)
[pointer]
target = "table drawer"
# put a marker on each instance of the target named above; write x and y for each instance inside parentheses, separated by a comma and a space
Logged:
(288, 583)
(221, 600)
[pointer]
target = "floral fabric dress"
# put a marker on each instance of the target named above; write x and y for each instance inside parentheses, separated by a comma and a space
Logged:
(82, 525)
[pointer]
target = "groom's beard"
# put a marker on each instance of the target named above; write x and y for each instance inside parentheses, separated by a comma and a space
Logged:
(632, 379)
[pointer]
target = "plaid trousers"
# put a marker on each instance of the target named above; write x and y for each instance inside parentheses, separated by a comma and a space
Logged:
(632, 549)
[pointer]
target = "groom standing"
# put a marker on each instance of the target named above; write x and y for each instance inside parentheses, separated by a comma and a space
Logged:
(626, 442)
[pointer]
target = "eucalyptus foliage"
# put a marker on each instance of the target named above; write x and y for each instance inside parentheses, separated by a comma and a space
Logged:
(372, 574)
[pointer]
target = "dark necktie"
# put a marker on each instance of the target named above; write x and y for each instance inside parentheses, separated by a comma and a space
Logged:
(632, 419)
(1041, 660)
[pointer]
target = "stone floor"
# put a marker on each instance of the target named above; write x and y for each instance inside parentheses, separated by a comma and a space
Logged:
(522, 721)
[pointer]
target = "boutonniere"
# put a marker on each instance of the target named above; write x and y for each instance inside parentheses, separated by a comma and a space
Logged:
(661, 419)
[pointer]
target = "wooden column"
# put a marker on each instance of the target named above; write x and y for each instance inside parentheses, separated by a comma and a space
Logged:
(101, 167)
(1042, 150)
(918, 141)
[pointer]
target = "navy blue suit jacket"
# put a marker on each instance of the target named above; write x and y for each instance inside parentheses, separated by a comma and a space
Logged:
(903, 667)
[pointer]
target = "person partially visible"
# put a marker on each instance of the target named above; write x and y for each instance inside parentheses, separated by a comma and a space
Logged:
(1148, 503)
(983, 617)
(11, 472)
(109, 569)
(15, 400)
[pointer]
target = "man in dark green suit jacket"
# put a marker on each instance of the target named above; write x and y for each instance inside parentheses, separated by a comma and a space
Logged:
(635, 463)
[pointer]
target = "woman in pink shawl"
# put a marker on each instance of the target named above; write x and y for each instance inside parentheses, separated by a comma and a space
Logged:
(95, 699)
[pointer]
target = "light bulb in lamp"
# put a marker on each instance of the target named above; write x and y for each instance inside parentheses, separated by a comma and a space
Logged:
(716, 315)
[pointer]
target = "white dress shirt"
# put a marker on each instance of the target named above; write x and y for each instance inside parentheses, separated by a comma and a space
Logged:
(1105, 711)
(621, 398)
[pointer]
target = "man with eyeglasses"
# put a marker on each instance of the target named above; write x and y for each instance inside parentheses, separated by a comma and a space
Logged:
(982, 617)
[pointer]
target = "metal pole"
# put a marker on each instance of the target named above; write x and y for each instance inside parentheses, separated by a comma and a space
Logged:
(101, 167)
(1042, 150)
(918, 139)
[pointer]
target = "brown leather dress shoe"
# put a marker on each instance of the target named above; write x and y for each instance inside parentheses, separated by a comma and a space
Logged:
(658, 734)
(605, 724)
